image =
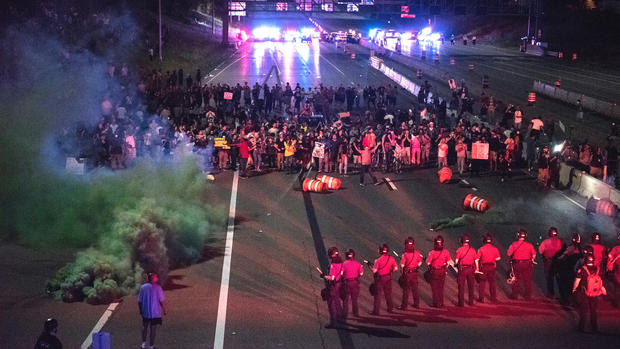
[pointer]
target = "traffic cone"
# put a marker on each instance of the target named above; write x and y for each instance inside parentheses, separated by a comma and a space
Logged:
(331, 182)
(313, 185)
(475, 203)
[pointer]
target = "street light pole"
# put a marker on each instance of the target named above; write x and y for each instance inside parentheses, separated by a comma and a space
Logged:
(160, 53)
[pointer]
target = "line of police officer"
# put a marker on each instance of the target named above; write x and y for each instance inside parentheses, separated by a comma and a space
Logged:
(343, 278)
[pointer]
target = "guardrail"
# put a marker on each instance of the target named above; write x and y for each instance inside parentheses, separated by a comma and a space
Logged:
(590, 103)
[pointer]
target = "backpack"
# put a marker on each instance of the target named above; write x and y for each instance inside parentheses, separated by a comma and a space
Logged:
(594, 284)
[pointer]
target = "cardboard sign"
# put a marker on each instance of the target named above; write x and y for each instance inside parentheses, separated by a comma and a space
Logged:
(220, 142)
(74, 166)
(228, 95)
(480, 151)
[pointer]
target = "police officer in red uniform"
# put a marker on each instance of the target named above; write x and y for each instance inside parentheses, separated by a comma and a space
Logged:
(437, 261)
(550, 250)
(334, 302)
(410, 262)
(382, 270)
(587, 294)
(486, 264)
(352, 270)
(613, 266)
(464, 259)
(522, 255)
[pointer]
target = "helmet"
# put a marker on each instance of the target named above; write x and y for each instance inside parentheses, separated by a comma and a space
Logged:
(333, 251)
(350, 254)
(596, 238)
(588, 250)
(576, 238)
(465, 239)
(409, 244)
(487, 239)
(589, 260)
(522, 234)
(553, 231)
(50, 325)
(384, 249)
(439, 242)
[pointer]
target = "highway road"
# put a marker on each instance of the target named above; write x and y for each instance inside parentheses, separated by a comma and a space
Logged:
(281, 234)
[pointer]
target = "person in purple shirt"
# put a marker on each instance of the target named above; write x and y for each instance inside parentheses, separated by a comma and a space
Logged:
(151, 304)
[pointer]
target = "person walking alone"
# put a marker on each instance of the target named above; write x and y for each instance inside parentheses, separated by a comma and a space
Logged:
(151, 304)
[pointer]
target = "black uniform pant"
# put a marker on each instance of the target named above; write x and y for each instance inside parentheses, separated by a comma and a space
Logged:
(352, 293)
(587, 306)
(438, 279)
(551, 274)
(383, 285)
(411, 285)
(615, 296)
(524, 271)
(466, 275)
(488, 277)
(367, 169)
(334, 303)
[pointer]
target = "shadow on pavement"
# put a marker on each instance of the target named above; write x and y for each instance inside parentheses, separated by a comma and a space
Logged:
(345, 336)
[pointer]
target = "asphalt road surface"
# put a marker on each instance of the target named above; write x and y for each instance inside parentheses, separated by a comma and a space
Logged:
(281, 234)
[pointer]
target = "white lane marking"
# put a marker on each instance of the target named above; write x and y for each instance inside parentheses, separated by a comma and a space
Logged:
(221, 71)
(332, 64)
(223, 302)
(569, 199)
(390, 183)
(465, 181)
(99, 325)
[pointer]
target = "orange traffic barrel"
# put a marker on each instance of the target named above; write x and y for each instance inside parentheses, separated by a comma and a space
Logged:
(452, 61)
(445, 174)
(560, 54)
(603, 207)
(574, 56)
(471, 67)
(331, 182)
(313, 185)
(353, 55)
(558, 83)
(475, 203)
(418, 73)
(531, 98)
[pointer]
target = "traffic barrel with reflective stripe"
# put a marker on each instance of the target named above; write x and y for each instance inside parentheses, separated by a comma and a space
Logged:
(471, 67)
(452, 61)
(475, 203)
(353, 55)
(574, 56)
(560, 54)
(603, 207)
(558, 83)
(445, 174)
(418, 73)
(436, 57)
(531, 98)
(331, 182)
(313, 185)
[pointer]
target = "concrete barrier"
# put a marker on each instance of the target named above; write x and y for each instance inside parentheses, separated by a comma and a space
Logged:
(590, 103)
(586, 185)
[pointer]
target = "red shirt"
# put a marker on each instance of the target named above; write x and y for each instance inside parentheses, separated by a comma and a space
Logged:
(244, 150)
(410, 260)
(352, 269)
(615, 252)
(335, 271)
(599, 252)
(438, 259)
(550, 246)
(465, 255)
(384, 265)
(521, 250)
(488, 254)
